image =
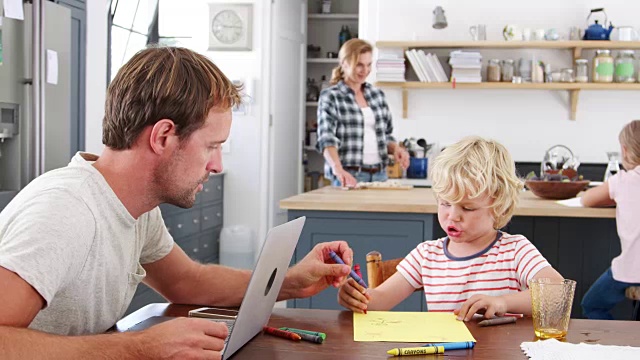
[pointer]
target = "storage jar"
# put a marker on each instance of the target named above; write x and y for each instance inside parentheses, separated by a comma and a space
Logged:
(582, 71)
(493, 70)
(624, 67)
(507, 70)
(602, 67)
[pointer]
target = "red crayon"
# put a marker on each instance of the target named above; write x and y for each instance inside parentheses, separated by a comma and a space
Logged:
(282, 333)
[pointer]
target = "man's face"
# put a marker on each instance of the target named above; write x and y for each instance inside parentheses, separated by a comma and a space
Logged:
(182, 175)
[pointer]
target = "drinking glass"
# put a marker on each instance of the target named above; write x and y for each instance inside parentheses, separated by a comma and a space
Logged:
(478, 32)
(552, 301)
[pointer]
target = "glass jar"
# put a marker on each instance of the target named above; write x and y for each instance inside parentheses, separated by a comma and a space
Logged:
(624, 67)
(602, 67)
(507, 70)
(567, 76)
(582, 70)
(493, 70)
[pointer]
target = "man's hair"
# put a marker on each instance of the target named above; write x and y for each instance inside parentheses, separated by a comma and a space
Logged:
(630, 139)
(164, 83)
(476, 167)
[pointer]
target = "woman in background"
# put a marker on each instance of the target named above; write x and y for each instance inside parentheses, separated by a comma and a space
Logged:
(354, 122)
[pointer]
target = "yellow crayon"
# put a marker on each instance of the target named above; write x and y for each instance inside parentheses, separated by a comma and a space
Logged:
(416, 351)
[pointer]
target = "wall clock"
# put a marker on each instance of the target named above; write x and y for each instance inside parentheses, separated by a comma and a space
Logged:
(230, 26)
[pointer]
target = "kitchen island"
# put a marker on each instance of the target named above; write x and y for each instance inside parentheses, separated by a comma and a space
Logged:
(578, 242)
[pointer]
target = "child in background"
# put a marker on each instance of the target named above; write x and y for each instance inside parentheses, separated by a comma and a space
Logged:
(476, 268)
(623, 190)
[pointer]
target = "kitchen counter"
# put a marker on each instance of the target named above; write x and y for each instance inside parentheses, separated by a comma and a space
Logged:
(578, 242)
(421, 200)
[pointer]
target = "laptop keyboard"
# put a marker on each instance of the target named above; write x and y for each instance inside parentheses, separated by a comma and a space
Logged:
(229, 324)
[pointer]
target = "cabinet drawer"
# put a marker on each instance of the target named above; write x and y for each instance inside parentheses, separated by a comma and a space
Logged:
(184, 224)
(209, 243)
(191, 246)
(213, 189)
(211, 216)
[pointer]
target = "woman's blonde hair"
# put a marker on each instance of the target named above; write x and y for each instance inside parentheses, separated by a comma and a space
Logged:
(349, 52)
(476, 167)
(630, 138)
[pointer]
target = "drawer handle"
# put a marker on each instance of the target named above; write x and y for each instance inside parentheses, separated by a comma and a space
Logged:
(205, 246)
(219, 187)
(195, 221)
(179, 226)
(195, 250)
(218, 214)
(206, 189)
(206, 218)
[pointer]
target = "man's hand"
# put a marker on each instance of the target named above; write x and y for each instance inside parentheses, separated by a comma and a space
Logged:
(183, 338)
(317, 271)
(489, 305)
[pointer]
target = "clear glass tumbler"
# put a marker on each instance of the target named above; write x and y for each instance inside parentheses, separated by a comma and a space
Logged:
(552, 301)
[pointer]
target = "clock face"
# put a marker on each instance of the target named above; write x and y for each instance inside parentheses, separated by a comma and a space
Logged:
(227, 27)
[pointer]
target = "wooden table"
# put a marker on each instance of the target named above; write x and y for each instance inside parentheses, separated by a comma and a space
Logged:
(495, 342)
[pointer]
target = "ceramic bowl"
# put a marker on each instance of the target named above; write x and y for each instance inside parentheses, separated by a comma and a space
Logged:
(556, 190)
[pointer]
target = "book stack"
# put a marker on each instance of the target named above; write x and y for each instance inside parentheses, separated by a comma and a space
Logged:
(465, 66)
(390, 67)
(426, 66)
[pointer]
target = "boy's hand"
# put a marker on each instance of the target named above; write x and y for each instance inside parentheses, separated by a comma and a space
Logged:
(354, 297)
(489, 305)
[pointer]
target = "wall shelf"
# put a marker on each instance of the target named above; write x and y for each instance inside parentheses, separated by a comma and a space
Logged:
(333, 17)
(574, 89)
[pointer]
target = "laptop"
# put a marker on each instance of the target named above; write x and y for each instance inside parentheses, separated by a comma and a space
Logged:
(262, 291)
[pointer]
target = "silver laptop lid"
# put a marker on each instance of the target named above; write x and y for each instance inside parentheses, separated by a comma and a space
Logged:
(265, 284)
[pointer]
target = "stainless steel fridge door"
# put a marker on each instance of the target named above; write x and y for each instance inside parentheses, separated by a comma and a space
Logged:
(57, 104)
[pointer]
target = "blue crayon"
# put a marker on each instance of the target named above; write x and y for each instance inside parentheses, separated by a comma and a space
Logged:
(353, 274)
(454, 345)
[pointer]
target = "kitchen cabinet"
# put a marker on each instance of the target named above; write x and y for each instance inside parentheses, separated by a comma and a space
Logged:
(195, 230)
(322, 31)
(575, 47)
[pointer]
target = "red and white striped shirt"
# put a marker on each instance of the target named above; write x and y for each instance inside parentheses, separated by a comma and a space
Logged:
(504, 267)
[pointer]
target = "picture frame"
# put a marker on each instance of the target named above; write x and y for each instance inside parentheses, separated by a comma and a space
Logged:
(230, 26)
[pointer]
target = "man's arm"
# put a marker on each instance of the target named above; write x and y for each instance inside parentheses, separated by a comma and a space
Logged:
(182, 280)
(21, 303)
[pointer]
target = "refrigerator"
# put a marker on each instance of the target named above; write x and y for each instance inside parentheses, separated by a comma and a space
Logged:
(35, 92)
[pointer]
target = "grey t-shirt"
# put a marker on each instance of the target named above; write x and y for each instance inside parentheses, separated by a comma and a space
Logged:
(69, 236)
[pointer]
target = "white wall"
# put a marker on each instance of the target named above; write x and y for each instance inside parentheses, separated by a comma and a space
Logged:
(526, 121)
(244, 193)
(96, 73)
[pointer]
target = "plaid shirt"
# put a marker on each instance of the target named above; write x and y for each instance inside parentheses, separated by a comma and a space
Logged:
(341, 123)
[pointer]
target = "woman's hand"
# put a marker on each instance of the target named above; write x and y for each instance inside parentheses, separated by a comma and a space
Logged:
(401, 156)
(354, 297)
(345, 178)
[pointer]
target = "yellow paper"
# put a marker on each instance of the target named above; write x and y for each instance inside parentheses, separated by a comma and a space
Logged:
(420, 327)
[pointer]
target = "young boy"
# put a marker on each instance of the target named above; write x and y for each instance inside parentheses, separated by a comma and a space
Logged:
(476, 268)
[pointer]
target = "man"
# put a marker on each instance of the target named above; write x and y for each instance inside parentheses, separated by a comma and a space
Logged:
(75, 243)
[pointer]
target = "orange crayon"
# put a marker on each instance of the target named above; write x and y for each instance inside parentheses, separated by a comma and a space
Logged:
(281, 333)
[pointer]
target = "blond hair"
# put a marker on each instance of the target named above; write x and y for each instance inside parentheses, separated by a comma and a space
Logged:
(164, 83)
(475, 167)
(630, 138)
(349, 52)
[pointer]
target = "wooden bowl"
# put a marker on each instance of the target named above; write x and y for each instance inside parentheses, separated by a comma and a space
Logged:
(556, 190)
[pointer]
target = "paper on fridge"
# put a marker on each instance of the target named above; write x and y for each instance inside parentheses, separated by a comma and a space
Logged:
(52, 67)
(13, 9)
(400, 326)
